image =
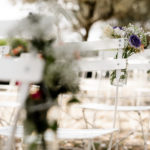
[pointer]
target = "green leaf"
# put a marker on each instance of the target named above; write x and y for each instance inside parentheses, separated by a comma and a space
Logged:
(19, 42)
(29, 127)
(33, 146)
(54, 126)
(73, 100)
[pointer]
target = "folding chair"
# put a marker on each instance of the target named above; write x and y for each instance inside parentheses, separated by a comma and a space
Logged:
(64, 134)
(97, 65)
(7, 90)
(24, 70)
(138, 109)
(4, 50)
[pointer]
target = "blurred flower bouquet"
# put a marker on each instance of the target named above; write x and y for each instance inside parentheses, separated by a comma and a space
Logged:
(135, 42)
(59, 77)
(18, 46)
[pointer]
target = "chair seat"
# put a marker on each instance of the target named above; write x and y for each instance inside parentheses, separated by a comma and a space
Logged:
(99, 107)
(62, 133)
(83, 133)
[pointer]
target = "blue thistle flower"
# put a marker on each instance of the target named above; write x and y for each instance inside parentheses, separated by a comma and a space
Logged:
(135, 41)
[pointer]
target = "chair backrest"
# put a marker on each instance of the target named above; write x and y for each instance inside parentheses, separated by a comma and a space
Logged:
(96, 64)
(108, 48)
(21, 69)
(112, 53)
(106, 44)
(25, 69)
(100, 45)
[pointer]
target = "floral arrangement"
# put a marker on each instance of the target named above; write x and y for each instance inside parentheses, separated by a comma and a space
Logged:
(59, 77)
(135, 42)
(18, 46)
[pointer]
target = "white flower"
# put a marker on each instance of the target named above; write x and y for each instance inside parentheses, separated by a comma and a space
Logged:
(118, 31)
(108, 31)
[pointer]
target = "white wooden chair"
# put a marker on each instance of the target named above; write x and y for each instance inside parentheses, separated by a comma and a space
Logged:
(4, 50)
(24, 70)
(97, 65)
(138, 109)
(7, 91)
(64, 134)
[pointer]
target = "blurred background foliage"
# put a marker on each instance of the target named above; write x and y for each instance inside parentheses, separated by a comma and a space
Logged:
(87, 12)
(3, 42)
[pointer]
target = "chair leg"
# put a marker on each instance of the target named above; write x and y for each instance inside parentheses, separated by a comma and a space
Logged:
(11, 117)
(94, 119)
(114, 118)
(116, 147)
(122, 139)
(148, 130)
(23, 94)
(84, 117)
(89, 145)
(142, 130)
(93, 146)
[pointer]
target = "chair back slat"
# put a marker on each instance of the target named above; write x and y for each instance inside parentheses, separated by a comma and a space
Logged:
(21, 69)
(141, 66)
(107, 44)
(97, 65)
(112, 53)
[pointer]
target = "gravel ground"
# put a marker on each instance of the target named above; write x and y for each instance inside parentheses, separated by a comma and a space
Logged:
(72, 117)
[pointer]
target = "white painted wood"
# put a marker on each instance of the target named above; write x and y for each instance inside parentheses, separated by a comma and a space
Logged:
(95, 65)
(107, 44)
(83, 133)
(112, 53)
(144, 66)
(8, 87)
(7, 93)
(26, 70)
(22, 96)
(62, 134)
(99, 107)
(9, 104)
(29, 69)
(116, 83)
